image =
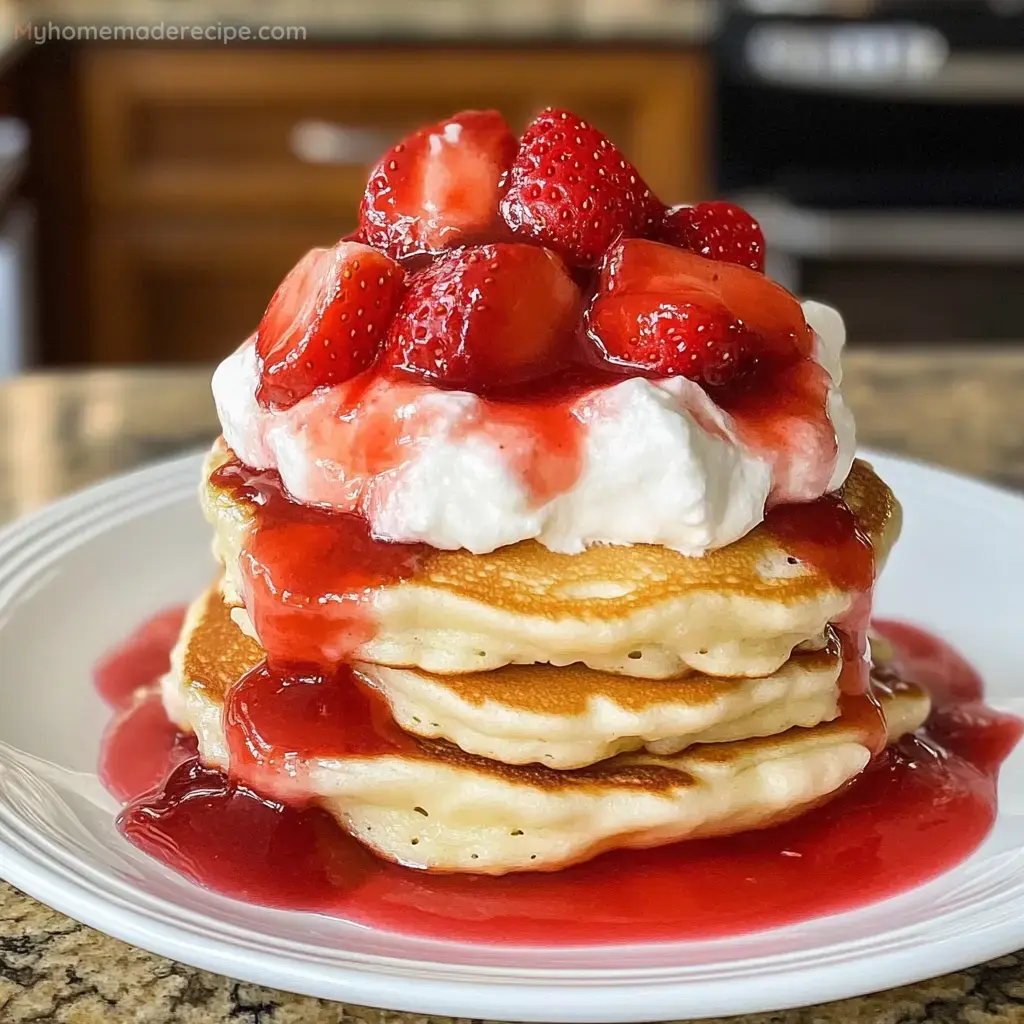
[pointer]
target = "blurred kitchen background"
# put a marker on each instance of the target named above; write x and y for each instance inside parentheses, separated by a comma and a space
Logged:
(154, 192)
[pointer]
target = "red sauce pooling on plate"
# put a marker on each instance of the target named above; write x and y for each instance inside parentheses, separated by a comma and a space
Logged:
(919, 809)
(140, 660)
(141, 746)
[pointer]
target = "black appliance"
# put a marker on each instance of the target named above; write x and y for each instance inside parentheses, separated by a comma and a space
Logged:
(882, 145)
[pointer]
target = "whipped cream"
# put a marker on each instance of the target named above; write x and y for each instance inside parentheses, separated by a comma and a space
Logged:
(829, 340)
(658, 462)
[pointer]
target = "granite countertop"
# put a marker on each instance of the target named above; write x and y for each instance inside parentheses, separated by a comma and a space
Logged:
(960, 408)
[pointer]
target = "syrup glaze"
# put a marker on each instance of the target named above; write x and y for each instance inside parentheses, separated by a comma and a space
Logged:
(825, 534)
(919, 809)
(368, 426)
(307, 574)
(276, 720)
(778, 403)
(308, 571)
(141, 659)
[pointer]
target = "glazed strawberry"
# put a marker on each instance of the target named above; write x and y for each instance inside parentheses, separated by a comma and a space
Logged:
(485, 317)
(572, 189)
(671, 312)
(720, 231)
(696, 339)
(439, 187)
(766, 308)
(326, 321)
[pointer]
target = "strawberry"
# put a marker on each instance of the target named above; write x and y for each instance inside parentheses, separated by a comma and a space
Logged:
(439, 187)
(696, 339)
(671, 312)
(486, 316)
(764, 306)
(572, 190)
(720, 231)
(326, 321)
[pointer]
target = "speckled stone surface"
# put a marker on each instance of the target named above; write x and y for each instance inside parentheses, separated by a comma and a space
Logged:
(959, 408)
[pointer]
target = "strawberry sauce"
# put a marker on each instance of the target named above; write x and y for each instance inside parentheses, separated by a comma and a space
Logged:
(824, 535)
(541, 439)
(782, 413)
(141, 746)
(919, 809)
(357, 435)
(308, 571)
(276, 719)
(141, 659)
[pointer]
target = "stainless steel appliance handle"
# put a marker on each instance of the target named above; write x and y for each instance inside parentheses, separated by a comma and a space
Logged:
(890, 60)
(948, 235)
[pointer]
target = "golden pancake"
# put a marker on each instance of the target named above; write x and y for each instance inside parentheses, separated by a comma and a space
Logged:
(575, 716)
(431, 805)
(643, 611)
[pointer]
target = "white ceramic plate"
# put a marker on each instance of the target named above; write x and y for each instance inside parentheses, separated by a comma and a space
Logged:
(77, 576)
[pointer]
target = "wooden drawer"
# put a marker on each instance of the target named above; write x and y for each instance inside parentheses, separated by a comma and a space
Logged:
(293, 130)
(187, 290)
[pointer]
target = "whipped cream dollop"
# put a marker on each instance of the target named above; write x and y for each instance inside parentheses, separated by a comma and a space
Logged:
(639, 461)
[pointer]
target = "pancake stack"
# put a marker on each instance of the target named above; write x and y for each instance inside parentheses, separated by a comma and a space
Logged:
(537, 528)
(526, 710)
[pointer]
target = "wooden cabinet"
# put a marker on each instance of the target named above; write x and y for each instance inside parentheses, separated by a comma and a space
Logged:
(206, 173)
(188, 289)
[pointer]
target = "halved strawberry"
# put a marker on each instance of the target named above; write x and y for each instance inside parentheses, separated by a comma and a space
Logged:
(572, 189)
(764, 307)
(675, 313)
(485, 317)
(719, 231)
(439, 187)
(326, 321)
